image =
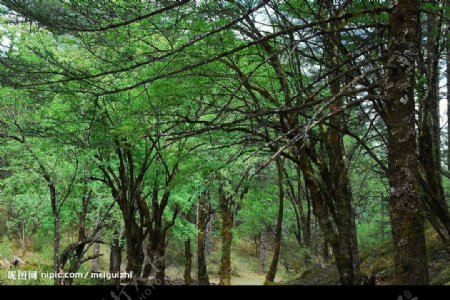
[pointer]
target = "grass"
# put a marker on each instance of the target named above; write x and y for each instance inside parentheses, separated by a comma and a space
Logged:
(379, 261)
(244, 264)
(42, 262)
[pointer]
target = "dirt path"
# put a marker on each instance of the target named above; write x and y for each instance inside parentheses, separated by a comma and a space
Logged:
(244, 278)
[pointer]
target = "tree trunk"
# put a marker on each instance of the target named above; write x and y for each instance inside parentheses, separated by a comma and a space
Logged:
(270, 277)
(115, 259)
(337, 178)
(228, 210)
(209, 235)
(133, 250)
(201, 224)
(96, 261)
(382, 222)
(325, 250)
(187, 262)
(155, 252)
(160, 261)
(306, 226)
(262, 248)
(410, 257)
(21, 234)
(227, 239)
(343, 255)
(447, 51)
(56, 246)
(156, 248)
(73, 253)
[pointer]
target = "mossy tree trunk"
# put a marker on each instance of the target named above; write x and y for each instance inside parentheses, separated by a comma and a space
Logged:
(335, 174)
(115, 258)
(229, 203)
(187, 262)
(406, 213)
(227, 240)
(447, 57)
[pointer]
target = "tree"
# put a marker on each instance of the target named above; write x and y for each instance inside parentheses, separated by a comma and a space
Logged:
(405, 207)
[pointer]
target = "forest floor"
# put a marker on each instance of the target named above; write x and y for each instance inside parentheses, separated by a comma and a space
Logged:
(378, 262)
(244, 266)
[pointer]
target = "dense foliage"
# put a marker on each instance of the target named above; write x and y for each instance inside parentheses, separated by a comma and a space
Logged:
(170, 134)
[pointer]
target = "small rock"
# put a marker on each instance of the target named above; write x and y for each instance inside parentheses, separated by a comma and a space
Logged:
(17, 261)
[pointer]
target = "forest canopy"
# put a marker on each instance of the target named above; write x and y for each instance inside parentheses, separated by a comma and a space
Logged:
(225, 142)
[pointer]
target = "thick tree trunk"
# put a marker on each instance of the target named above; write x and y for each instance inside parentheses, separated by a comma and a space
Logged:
(156, 248)
(410, 257)
(339, 185)
(337, 178)
(227, 239)
(343, 255)
(187, 262)
(155, 252)
(150, 250)
(115, 259)
(201, 226)
(160, 261)
(228, 209)
(270, 277)
(134, 252)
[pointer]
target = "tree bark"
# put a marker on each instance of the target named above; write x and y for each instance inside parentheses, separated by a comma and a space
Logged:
(336, 175)
(410, 257)
(305, 219)
(262, 248)
(96, 261)
(209, 234)
(226, 213)
(115, 258)
(160, 261)
(158, 227)
(447, 52)
(133, 250)
(56, 246)
(56, 224)
(202, 272)
(328, 220)
(229, 203)
(73, 254)
(187, 262)
(227, 239)
(156, 252)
